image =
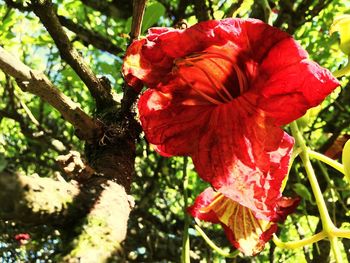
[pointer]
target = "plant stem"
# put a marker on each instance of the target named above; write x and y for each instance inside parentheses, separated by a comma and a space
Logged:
(327, 223)
(299, 243)
(344, 233)
(339, 167)
(139, 7)
(215, 247)
(185, 254)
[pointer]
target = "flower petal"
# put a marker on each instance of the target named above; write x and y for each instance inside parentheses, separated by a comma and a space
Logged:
(243, 229)
(173, 127)
(135, 70)
(151, 59)
(244, 157)
(199, 208)
(289, 83)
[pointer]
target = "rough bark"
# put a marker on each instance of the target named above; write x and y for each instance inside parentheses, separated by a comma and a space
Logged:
(93, 213)
(35, 200)
(96, 236)
(101, 232)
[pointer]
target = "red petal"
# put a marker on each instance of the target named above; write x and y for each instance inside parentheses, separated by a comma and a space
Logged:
(135, 70)
(289, 84)
(234, 142)
(286, 206)
(169, 124)
(199, 208)
(162, 46)
(244, 157)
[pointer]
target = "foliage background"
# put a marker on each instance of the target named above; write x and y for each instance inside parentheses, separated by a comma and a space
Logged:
(156, 223)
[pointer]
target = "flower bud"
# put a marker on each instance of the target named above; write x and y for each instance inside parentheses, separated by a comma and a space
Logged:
(341, 24)
(346, 160)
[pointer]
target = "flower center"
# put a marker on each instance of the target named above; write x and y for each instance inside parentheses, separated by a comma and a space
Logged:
(214, 75)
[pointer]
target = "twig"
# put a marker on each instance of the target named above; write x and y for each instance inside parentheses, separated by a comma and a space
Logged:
(137, 16)
(115, 9)
(90, 37)
(130, 95)
(100, 90)
(38, 84)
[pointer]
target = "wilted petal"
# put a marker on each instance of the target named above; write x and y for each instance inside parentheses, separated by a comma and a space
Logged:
(244, 157)
(246, 232)
(205, 199)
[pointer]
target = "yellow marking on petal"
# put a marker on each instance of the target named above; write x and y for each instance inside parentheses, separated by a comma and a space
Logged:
(217, 198)
(246, 228)
(229, 209)
(133, 63)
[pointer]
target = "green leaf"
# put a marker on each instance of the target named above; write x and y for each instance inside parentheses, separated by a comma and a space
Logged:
(303, 191)
(346, 160)
(152, 14)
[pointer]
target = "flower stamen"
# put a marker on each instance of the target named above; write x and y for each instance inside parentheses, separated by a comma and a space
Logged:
(214, 83)
(205, 96)
(241, 77)
(218, 86)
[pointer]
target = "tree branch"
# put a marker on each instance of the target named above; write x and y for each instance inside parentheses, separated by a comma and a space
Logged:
(38, 84)
(90, 37)
(103, 229)
(130, 96)
(137, 17)
(41, 137)
(85, 35)
(35, 200)
(116, 9)
(99, 89)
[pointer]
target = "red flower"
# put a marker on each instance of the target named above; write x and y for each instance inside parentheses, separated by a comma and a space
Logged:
(246, 232)
(22, 238)
(219, 92)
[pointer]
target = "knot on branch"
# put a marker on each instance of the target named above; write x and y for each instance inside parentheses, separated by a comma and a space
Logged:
(75, 166)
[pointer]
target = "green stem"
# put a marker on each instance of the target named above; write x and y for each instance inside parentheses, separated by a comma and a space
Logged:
(215, 247)
(332, 187)
(185, 254)
(299, 243)
(327, 223)
(339, 167)
(344, 233)
(335, 248)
